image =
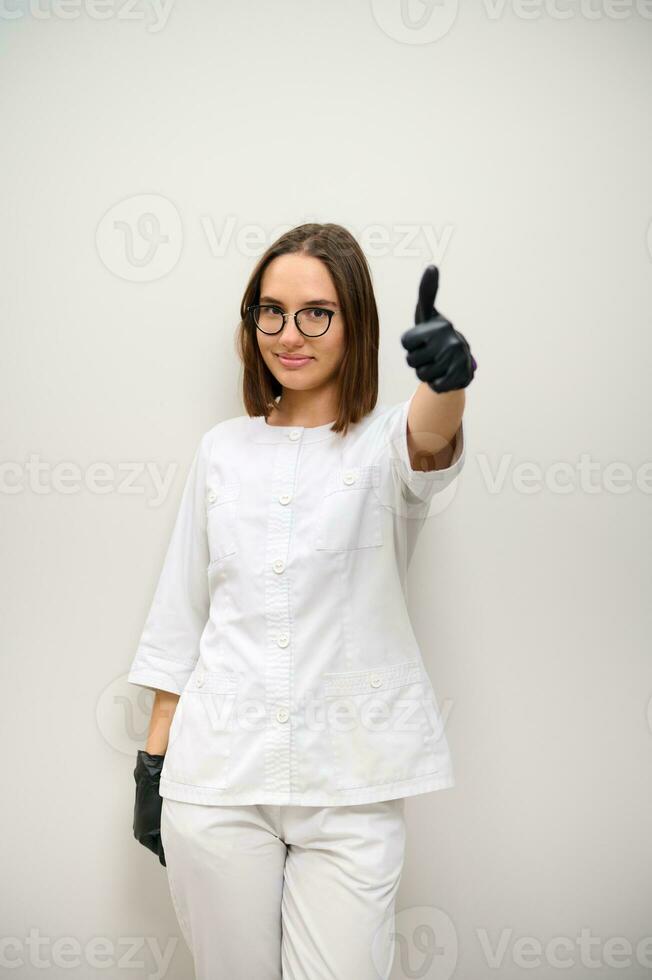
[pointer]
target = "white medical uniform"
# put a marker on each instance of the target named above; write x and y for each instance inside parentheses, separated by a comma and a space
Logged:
(280, 619)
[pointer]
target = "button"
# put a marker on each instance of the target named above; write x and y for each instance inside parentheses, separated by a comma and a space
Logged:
(278, 566)
(285, 498)
(349, 477)
(375, 680)
(212, 497)
(282, 714)
(283, 639)
(294, 434)
(199, 681)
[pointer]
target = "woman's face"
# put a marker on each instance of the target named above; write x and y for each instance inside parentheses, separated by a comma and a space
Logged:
(292, 282)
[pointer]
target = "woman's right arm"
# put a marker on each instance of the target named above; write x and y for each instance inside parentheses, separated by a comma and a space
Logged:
(165, 704)
(168, 649)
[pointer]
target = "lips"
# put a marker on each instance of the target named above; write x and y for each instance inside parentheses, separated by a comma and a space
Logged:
(293, 362)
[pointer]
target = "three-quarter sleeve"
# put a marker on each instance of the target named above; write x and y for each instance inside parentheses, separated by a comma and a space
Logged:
(169, 644)
(418, 486)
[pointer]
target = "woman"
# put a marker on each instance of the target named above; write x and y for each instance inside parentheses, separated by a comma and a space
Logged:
(293, 713)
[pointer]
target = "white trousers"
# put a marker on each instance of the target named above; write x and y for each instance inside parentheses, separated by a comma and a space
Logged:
(299, 892)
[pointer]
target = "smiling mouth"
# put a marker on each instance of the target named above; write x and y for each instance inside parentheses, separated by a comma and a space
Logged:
(290, 357)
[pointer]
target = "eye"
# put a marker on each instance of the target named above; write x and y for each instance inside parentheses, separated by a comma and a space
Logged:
(316, 314)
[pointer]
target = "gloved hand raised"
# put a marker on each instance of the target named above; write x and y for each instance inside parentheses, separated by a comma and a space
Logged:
(439, 353)
(147, 808)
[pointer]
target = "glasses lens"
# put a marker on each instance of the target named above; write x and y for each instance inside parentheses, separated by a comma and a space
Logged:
(268, 318)
(313, 322)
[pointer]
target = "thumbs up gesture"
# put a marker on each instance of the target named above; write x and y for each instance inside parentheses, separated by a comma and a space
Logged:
(437, 351)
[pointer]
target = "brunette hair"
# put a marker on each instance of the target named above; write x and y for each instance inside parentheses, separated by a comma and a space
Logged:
(348, 266)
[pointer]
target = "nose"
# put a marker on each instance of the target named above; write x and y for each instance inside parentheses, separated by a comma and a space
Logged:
(290, 334)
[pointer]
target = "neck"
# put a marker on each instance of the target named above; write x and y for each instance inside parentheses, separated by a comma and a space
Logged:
(306, 410)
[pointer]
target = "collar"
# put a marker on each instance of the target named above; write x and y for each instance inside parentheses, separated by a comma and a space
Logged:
(262, 432)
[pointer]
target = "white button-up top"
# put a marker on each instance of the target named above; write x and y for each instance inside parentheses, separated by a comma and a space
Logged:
(280, 618)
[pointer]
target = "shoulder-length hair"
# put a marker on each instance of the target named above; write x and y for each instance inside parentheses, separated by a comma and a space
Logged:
(348, 266)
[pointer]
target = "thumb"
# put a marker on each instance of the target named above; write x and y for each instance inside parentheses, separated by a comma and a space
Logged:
(428, 287)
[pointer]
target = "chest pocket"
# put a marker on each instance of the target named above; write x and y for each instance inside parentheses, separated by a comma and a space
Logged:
(222, 519)
(349, 512)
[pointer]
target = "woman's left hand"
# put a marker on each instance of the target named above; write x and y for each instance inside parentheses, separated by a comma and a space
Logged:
(437, 351)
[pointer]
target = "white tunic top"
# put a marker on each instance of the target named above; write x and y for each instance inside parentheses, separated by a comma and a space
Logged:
(280, 618)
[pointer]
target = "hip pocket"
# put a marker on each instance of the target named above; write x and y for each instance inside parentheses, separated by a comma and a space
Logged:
(349, 511)
(378, 725)
(199, 753)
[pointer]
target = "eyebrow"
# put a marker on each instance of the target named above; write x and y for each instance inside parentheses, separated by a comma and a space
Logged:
(308, 302)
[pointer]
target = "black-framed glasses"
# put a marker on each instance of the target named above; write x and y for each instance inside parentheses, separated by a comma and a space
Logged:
(311, 321)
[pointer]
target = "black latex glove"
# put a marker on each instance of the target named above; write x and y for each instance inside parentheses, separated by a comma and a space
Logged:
(438, 352)
(147, 809)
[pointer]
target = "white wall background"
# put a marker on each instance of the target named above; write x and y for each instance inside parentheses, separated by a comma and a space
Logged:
(508, 142)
